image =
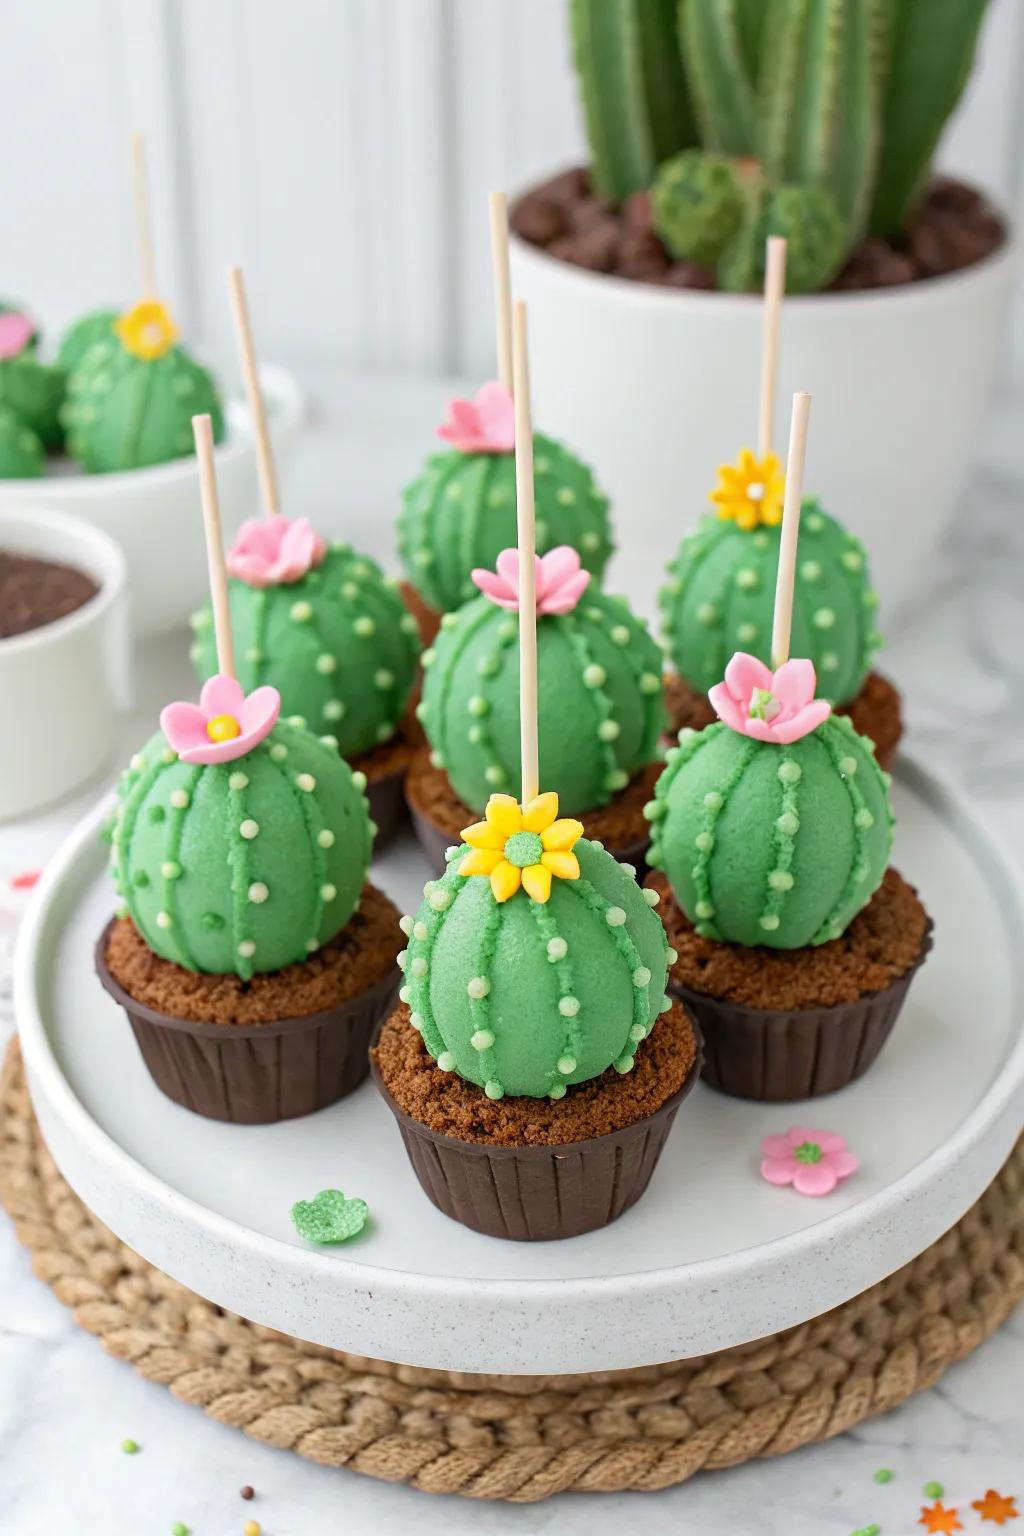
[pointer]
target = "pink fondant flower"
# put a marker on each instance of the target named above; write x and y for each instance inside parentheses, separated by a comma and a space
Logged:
(812, 1161)
(225, 724)
(560, 581)
(271, 551)
(770, 706)
(15, 333)
(485, 424)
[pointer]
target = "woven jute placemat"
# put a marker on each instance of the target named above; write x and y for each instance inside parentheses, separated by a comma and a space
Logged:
(520, 1438)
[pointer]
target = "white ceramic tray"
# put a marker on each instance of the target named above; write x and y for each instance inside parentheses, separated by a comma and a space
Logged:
(710, 1257)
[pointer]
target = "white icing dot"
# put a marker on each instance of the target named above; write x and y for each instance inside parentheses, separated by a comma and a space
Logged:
(170, 869)
(666, 1004)
(416, 1020)
(163, 919)
(330, 741)
(364, 627)
(780, 880)
(305, 781)
(790, 772)
(297, 720)
(328, 892)
(301, 611)
(405, 995)
(824, 618)
(136, 761)
(609, 730)
(312, 944)
(446, 1061)
(638, 1033)
(258, 892)
(478, 705)
(619, 635)
(591, 540)
(569, 1007)
(419, 965)
(651, 897)
(769, 922)
(478, 987)
(671, 955)
(402, 959)
(358, 778)
(557, 948)
(746, 633)
(706, 613)
(247, 948)
(713, 800)
(863, 818)
(408, 624)
(494, 774)
(566, 1065)
(594, 676)
(349, 590)
(424, 556)
(852, 559)
(641, 976)
(279, 752)
(811, 570)
(566, 495)
(617, 779)
(325, 662)
(493, 1089)
(615, 917)
(847, 765)
(830, 661)
(179, 799)
(405, 923)
(249, 829)
(746, 577)
(334, 709)
(556, 1091)
(704, 909)
(238, 780)
(383, 678)
(650, 682)
(253, 654)
(436, 759)
(704, 841)
(481, 1039)
(475, 735)
(420, 930)
(440, 899)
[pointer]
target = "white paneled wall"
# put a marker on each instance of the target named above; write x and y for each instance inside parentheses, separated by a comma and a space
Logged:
(341, 149)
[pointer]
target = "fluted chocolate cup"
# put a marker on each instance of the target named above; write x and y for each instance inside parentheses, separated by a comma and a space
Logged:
(538, 1193)
(255, 1074)
(780, 1055)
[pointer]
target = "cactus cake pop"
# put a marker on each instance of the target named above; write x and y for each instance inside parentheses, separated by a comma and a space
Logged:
(719, 595)
(30, 396)
(521, 1065)
(81, 336)
(601, 711)
(250, 954)
(773, 828)
(460, 511)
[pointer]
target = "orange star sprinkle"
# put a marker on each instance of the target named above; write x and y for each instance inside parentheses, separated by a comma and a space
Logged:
(939, 1520)
(995, 1508)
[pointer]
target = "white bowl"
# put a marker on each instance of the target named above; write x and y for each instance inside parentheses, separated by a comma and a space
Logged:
(60, 684)
(154, 513)
(655, 387)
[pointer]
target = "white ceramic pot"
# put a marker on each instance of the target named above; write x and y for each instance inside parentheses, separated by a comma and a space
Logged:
(154, 513)
(61, 684)
(655, 387)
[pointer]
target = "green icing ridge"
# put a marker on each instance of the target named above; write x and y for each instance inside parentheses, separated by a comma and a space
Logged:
(242, 866)
(460, 513)
(127, 412)
(21, 452)
(720, 599)
(524, 998)
(339, 646)
(769, 844)
(601, 711)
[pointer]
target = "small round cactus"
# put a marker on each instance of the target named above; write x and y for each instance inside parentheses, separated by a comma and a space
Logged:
(772, 843)
(79, 338)
(243, 865)
(815, 234)
(600, 699)
(33, 392)
(460, 512)
(21, 452)
(524, 996)
(132, 396)
(697, 205)
(338, 644)
(721, 593)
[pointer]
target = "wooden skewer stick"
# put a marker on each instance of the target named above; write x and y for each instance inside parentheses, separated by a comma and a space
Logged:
(202, 431)
(774, 288)
(783, 621)
(254, 393)
(498, 204)
(143, 216)
(527, 537)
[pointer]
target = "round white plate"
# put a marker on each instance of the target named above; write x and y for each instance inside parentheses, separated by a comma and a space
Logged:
(710, 1257)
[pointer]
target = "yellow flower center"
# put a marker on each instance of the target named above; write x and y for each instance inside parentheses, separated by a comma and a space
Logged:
(223, 728)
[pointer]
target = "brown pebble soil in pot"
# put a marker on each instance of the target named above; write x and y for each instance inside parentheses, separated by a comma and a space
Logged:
(782, 1024)
(954, 227)
(876, 713)
(35, 592)
(439, 816)
(281, 1045)
(536, 1169)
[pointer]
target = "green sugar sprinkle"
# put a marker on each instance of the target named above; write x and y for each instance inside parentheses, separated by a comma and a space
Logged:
(884, 1475)
(129, 1447)
(179, 1528)
(933, 1490)
(868, 1530)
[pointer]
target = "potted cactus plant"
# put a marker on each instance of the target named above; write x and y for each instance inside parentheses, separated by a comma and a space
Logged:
(711, 126)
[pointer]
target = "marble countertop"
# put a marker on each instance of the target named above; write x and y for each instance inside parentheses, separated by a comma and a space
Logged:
(65, 1407)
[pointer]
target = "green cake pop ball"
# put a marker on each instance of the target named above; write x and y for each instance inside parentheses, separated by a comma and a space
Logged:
(34, 392)
(132, 396)
(327, 630)
(21, 452)
(79, 338)
(460, 511)
(721, 590)
(599, 692)
(522, 996)
(777, 842)
(245, 864)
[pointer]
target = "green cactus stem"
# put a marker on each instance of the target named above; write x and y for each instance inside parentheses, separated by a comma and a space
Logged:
(698, 204)
(716, 38)
(815, 239)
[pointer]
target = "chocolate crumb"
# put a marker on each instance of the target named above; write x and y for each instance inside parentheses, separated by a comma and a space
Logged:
(37, 592)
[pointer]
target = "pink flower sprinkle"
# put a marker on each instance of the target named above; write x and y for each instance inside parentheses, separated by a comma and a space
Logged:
(225, 724)
(485, 424)
(15, 333)
(272, 551)
(26, 879)
(770, 706)
(812, 1161)
(560, 581)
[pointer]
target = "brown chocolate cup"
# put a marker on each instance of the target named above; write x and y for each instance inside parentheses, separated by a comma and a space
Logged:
(255, 1074)
(776, 1056)
(536, 1193)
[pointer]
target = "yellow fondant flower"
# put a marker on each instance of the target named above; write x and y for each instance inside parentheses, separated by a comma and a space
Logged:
(751, 490)
(147, 331)
(522, 846)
